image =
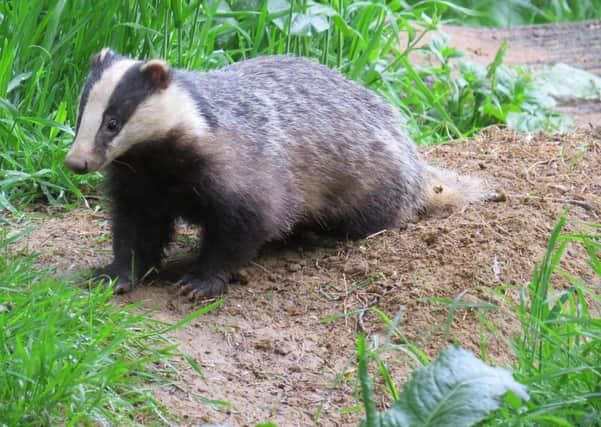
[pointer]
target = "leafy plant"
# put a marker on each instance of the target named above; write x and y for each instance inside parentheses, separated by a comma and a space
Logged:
(567, 82)
(559, 347)
(455, 100)
(556, 353)
(455, 390)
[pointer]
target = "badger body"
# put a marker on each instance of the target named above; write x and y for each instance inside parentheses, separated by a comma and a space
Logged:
(250, 153)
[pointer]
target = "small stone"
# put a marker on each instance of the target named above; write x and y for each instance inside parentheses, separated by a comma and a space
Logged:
(356, 266)
(497, 196)
(430, 237)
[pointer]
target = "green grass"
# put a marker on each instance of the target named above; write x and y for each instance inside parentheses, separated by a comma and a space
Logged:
(45, 48)
(559, 347)
(510, 13)
(71, 357)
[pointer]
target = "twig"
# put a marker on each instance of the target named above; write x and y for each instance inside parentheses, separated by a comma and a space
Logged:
(534, 165)
(581, 203)
(377, 233)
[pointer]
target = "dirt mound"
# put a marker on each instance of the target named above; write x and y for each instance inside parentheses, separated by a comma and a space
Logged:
(265, 350)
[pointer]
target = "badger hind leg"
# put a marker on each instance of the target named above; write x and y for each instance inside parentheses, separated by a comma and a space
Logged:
(379, 211)
(358, 225)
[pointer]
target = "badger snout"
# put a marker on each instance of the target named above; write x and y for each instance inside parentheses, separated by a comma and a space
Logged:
(77, 164)
(82, 158)
(82, 164)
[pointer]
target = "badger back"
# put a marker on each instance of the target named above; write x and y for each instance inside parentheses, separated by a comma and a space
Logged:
(341, 142)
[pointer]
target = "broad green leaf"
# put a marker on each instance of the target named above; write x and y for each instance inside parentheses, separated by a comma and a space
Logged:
(456, 390)
(276, 6)
(315, 9)
(567, 82)
(307, 25)
(532, 122)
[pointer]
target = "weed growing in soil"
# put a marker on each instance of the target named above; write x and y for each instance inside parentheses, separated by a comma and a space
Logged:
(70, 356)
(46, 46)
(455, 390)
(456, 98)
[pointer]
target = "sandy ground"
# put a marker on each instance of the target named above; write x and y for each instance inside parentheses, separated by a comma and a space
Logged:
(265, 350)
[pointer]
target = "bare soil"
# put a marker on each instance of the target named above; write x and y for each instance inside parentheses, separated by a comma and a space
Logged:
(265, 350)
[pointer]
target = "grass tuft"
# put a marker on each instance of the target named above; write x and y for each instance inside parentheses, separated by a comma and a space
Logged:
(560, 343)
(71, 357)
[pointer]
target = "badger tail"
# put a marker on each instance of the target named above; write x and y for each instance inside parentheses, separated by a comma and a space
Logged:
(448, 191)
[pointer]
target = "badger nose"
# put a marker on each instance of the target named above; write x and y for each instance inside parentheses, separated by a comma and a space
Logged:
(76, 164)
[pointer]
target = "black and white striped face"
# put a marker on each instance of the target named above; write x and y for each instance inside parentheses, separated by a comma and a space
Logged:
(125, 102)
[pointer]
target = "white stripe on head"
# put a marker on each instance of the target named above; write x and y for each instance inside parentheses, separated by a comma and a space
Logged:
(98, 99)
(160, 113)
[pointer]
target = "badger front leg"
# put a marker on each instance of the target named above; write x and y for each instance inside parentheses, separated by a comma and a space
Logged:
(139, 238)
(229, 242)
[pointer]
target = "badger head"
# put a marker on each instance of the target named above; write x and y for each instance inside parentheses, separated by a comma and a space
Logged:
(124, 102)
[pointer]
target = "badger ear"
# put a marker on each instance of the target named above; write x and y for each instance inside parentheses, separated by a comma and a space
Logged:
(101, 56)
(157, 71)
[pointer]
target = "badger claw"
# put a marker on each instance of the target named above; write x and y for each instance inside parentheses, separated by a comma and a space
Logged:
(196, 289)
(122, 286)
(104, 276)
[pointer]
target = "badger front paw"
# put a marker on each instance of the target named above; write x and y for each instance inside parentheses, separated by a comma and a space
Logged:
(106, 275)
(195, 287)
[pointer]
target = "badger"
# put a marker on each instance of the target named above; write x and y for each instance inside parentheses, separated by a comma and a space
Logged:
(250, 153)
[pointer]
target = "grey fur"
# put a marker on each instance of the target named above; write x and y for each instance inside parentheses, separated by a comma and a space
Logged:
(316, 144)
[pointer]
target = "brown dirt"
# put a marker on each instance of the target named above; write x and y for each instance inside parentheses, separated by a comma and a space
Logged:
(266, 352)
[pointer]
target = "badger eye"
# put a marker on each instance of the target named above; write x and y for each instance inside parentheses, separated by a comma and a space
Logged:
(112, 125)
